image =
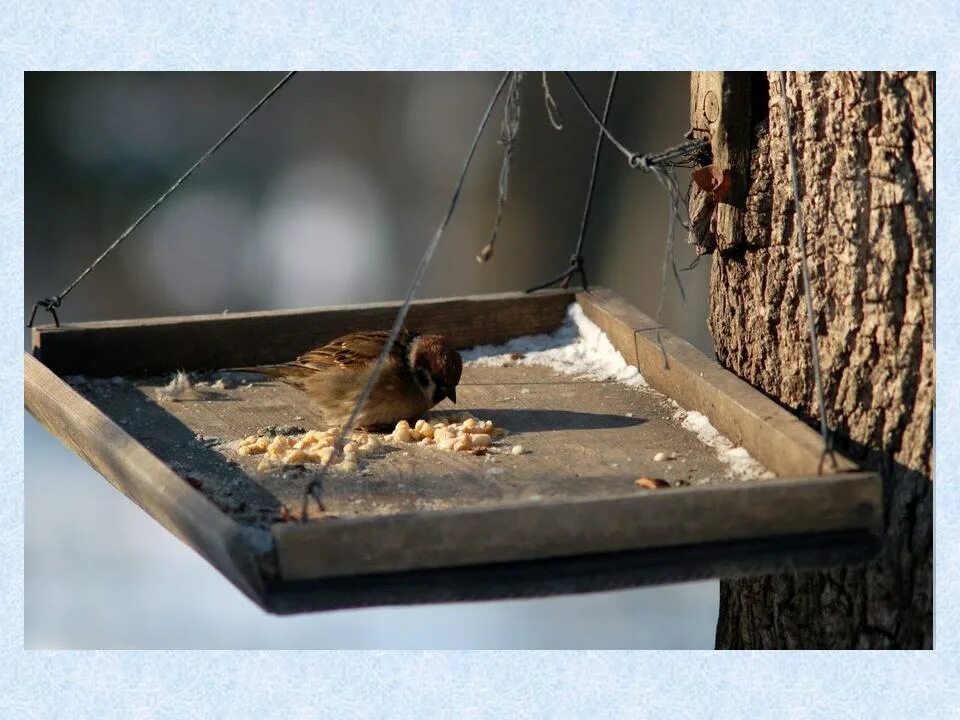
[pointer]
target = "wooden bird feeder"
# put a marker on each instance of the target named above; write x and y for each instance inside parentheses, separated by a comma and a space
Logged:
(428, 526)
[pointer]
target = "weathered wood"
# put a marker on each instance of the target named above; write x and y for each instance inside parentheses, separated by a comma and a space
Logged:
(145, 479)
(572, 497)
(720, 111)
(774, 437)
(575, 574)
(582, 439)
(513, 532)
(133, 347)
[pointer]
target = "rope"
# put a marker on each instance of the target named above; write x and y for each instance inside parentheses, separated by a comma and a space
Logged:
(315, 487)
(814, 349)
(51, 304)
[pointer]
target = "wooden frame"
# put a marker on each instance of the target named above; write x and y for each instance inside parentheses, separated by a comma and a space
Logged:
(511, 550)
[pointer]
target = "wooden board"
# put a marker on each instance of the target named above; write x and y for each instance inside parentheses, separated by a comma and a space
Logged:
(777, 439)
(135, 347)
(720, 111)
(432, 526)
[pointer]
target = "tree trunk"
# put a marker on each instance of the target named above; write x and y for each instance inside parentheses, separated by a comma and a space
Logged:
(864, 144)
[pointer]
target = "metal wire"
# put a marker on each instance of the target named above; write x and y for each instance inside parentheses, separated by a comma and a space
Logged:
(315, 487)
(52, 303)
(576, 260)
(805, 273)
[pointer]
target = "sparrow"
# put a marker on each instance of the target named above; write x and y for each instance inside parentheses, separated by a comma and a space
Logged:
(420, 371)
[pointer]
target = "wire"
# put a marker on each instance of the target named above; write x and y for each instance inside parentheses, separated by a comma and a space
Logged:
(51, 304)
(315, 487)
(814, 349)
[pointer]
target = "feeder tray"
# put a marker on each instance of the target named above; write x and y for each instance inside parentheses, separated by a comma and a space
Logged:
(431, 526)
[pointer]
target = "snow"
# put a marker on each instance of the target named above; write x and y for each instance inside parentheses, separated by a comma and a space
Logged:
(577, 348)
(740, 464)
(580, 348)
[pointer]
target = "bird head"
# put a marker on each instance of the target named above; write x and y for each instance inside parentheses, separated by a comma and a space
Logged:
(437, 367)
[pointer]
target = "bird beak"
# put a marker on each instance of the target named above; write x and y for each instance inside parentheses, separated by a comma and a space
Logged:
(452, 394)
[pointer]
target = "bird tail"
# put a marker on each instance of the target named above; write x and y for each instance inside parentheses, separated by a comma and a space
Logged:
(287, 372)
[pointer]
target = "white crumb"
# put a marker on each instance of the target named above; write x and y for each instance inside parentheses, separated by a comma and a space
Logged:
(179, 388)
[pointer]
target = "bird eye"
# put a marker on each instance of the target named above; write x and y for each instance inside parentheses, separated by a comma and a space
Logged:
(423, 377)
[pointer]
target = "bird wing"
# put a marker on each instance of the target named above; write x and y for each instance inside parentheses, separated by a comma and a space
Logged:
(353, 351)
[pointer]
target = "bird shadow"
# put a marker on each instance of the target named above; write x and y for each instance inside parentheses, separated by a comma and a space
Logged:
(534, 420)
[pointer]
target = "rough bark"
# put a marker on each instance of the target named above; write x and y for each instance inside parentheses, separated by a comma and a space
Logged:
(864, 144)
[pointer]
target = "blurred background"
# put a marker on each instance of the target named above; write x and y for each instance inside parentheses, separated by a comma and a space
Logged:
(328, 196)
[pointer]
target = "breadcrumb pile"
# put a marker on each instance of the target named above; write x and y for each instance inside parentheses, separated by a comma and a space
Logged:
(317, 446)
(313, 446)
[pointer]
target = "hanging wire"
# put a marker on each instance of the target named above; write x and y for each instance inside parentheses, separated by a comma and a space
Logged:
(600, 123)
(805, 273)
(674, 209)
(315, 487)
(576, 260)
(553, 112)
(684, 154)
(52, 303)
(509, 129)
(662, 164)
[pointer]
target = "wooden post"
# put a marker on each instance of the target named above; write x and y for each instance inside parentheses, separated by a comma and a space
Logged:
(720, 111)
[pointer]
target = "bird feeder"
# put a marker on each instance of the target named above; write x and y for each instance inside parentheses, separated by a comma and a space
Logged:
(420, 525)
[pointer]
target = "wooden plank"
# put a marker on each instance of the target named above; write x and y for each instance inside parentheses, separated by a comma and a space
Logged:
(720, 108)
(774, 437)
(577, 574)
(498, 537)
(217, 341)
(582, 438)
(142, 477)
(517, 532)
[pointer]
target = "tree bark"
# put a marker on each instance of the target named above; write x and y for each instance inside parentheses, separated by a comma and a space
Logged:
(864, 144)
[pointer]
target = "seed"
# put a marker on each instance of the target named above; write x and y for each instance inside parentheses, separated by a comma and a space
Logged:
(325, 455)
(462, 443)
(516, 450)
(446, 443)
(469, 423)
(245, 450)
(649, 483)
(402, 434)
(479, 439)
(348, 466)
